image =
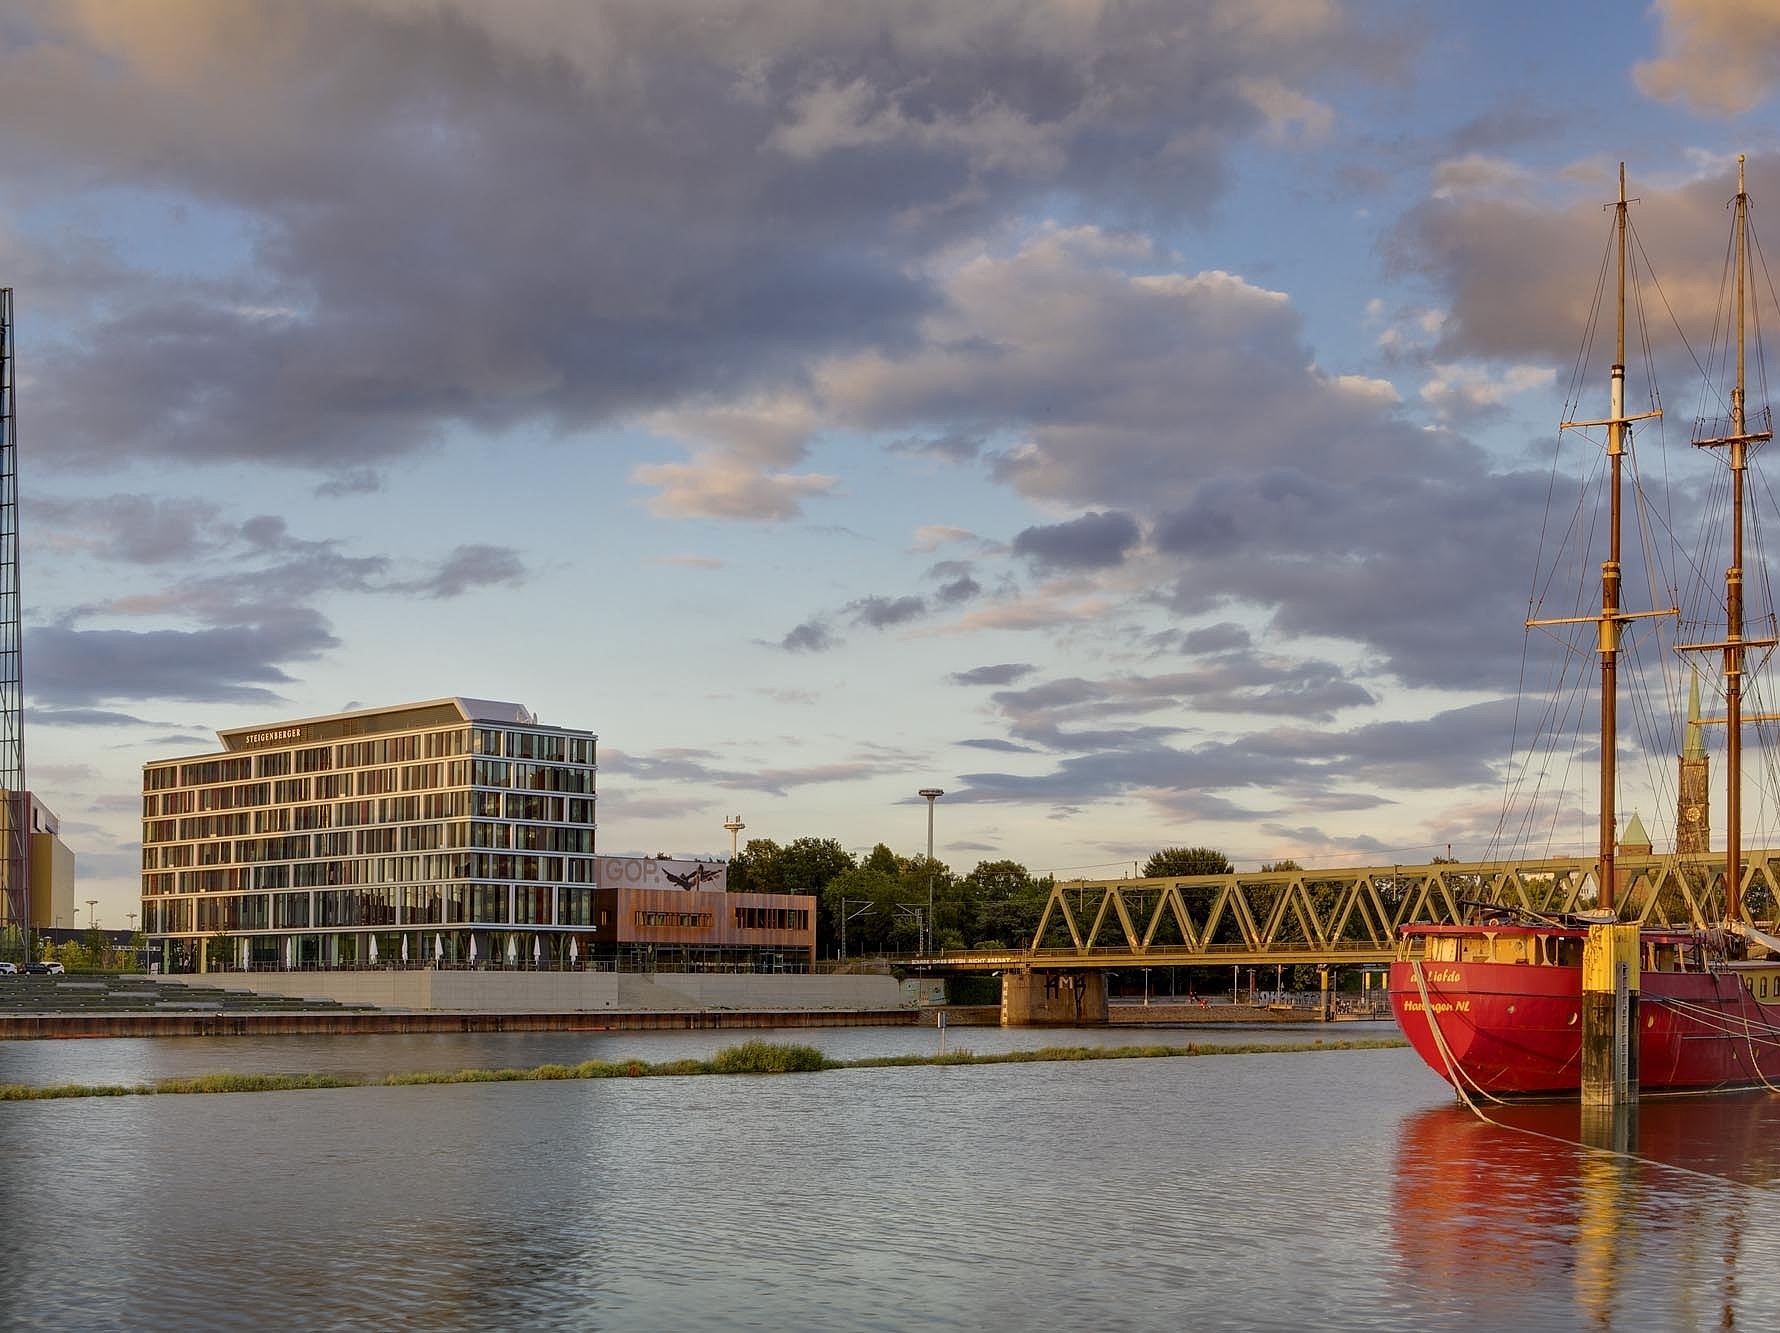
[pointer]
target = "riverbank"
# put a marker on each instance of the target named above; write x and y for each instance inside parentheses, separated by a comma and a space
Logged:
(325, 1023)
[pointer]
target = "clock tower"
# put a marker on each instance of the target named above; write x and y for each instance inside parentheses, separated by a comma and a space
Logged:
(1693, 828)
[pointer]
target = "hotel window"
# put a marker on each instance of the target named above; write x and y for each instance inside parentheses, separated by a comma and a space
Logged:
(488, 902)
(290, 909)
(531, 905)
(316, 760)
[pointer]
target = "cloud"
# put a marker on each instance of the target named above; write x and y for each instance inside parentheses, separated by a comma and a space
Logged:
(810, 637)
(1292, 118)
(1281, 770)
(715, 485)
(958, 590)
(1004, 673)
(351, 481)
(1719, 57)
(936, 536)
(83, 717)
(134, 529)
(886, 612)
(1467, 393)
(1223, 637)
(954, 447)
(709, 200)
(1001, 746)
(683, 766)
(1093, 541)
(466, 568)
(76, 668)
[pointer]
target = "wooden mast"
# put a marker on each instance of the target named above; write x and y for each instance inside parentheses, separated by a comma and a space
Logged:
(1611, 618)
(1736, 442)
(1610, 570)
(1733, 603)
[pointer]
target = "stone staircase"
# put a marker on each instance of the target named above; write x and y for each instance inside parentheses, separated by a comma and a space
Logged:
(78, 994)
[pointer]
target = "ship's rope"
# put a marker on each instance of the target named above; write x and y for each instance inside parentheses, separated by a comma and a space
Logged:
(1714, 1020)
(1454, 1072)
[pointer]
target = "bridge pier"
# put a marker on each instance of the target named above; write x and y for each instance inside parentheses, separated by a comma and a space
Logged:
(1052, 999)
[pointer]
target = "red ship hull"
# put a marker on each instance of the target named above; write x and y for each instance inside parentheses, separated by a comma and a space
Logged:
(1515, 1029)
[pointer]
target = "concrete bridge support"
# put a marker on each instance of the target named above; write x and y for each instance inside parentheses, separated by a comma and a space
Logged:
(1052, 999)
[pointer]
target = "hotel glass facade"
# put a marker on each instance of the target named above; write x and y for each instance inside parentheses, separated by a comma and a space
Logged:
(453, 832)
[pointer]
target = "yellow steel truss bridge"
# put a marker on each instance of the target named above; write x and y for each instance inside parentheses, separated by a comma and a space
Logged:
(1345, 917)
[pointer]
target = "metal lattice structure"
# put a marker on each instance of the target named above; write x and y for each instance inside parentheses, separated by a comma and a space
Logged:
(15, 842)
(1350, 916)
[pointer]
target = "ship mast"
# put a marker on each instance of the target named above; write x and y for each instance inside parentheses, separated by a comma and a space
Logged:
(1736, 444)
(1610, 623)
(1611, 619)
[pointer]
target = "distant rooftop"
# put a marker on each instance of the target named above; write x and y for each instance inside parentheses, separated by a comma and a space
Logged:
(445, 712)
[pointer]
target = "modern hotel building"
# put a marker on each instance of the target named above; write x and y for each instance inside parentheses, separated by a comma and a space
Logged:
(423, 831)
(452, 833)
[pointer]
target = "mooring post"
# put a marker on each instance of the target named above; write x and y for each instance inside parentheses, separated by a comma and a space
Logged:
(1610, 1015)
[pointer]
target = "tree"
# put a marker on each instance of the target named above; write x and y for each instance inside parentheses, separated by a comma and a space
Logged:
(1001, 903)
(807, 865)
(750, 867)
(869, 898)
(1186, 861)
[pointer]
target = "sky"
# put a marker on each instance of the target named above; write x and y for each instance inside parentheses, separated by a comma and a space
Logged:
(1133, 418)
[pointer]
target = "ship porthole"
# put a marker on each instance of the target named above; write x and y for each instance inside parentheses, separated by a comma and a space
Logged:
(1572, 1020)
(1650, 1021)
(1510, 1008)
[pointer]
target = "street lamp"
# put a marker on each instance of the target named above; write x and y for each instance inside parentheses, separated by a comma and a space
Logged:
(932, 794)
(734, 826)
(92, 916)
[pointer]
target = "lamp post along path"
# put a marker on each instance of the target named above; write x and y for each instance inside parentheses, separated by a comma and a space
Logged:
(932, 794)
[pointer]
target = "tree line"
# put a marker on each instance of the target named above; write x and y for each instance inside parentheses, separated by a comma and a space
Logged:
(878, 903)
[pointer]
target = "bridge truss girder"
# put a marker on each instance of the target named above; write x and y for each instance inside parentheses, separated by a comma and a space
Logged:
(1349, 916)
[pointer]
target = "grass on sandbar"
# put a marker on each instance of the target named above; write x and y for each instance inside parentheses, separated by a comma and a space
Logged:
(751, 1057)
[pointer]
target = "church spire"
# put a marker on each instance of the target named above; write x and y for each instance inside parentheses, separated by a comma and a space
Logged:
(1695, 748)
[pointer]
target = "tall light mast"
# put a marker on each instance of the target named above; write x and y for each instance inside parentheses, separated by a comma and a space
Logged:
(15, 853)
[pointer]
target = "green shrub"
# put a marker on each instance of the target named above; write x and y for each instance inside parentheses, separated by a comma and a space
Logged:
(765, 1057)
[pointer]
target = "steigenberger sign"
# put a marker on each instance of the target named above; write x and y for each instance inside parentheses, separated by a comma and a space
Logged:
(645, 872)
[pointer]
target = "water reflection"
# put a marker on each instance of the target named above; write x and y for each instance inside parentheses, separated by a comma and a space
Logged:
(1258, 1192)
(1478, 1206)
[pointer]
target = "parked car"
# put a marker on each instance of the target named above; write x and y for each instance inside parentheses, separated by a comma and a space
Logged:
(9, 969)
(47, 968)
(55, 968)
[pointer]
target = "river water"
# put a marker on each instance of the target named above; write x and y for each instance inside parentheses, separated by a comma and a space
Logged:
(1331, 1189)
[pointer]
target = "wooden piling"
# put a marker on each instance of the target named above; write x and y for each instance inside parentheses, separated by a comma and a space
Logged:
(1610, 1015)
